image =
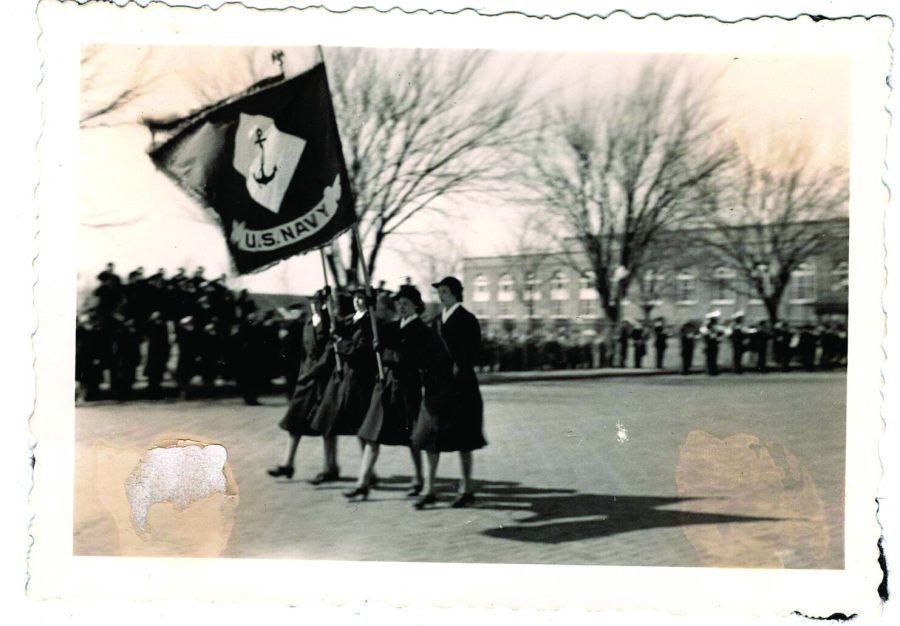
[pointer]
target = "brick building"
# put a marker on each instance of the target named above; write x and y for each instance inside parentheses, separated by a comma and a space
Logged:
(517, 292)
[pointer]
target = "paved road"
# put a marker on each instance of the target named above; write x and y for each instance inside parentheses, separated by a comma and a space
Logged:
(667, 470)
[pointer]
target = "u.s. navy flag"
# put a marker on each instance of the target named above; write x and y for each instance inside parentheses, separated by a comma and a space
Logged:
(269, 163)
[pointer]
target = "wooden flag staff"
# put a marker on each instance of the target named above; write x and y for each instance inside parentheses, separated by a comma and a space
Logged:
(369, 298)
(329, 304)
(357, 240)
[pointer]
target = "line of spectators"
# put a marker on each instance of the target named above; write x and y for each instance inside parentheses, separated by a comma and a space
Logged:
(200, 334)
(184, 327)
(759, 346)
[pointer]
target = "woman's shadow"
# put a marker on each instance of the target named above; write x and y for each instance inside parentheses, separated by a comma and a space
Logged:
(561, 515)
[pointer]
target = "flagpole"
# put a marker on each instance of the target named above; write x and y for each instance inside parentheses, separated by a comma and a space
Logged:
(329, 304)
(320, 55)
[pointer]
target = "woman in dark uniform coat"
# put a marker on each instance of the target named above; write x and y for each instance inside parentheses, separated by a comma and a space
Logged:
(349, 391)
(452, 414)
(315, 371)
(396, 401)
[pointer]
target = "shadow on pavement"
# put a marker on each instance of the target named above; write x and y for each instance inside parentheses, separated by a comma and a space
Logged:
(561, 515)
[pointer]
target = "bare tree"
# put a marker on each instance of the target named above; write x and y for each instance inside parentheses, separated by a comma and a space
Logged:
(619, 170)
(113, 79)
(765, 221)
(432, 255)
(532, 246)
(417, 127)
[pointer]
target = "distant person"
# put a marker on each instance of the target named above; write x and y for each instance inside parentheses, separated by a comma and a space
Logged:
(761, 338)
(687, 337)
(158, 352)
(737, 336)
(188, 353)
(841, 332)
(126, 350)
(624, 337)
(782, 339)
(109, 275)
(829, 341)
(660, 338)
(639, 345)
(807, 345)
(712, 337)
(88, 366)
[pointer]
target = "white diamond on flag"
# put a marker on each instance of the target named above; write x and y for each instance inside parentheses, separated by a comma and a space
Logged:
(267, 159)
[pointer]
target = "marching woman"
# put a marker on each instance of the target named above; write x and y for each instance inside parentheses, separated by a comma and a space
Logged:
(349, 391)
(452, 413)
(315, 371)
(395, 403)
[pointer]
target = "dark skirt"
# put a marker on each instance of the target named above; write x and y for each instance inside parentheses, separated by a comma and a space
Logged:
(451, 419)
(345, 403)
(302, 407)
(392, 412)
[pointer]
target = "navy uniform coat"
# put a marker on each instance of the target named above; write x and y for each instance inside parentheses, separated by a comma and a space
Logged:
(315, 371)
(396, 401)
(453, 412)
(349, 391)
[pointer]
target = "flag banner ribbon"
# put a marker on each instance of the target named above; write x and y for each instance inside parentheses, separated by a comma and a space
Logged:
(269, 164)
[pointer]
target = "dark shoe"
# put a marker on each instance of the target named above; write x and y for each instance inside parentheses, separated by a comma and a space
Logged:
(463, 499)
(325, 477)
(373, 480)
(358, 492)
(282, 470)
(415, 490)
(427, 499)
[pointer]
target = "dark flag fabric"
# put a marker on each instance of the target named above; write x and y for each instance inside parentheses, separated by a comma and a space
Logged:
(269, 164)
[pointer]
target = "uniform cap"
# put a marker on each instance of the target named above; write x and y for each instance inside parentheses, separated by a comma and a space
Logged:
(451, 282)
(412, 294)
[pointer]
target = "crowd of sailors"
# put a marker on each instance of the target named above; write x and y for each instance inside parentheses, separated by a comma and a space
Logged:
(192, 335)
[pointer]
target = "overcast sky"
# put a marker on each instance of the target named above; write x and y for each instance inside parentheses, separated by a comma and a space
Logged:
(133, 215)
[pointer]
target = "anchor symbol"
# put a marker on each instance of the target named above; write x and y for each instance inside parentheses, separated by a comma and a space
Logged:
(261, 177)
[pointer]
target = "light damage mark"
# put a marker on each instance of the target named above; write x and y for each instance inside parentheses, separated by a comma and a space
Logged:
(621, 433)
(180, 475)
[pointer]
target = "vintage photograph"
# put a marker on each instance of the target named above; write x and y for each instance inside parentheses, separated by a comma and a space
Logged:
(490, 303)
(610, 288)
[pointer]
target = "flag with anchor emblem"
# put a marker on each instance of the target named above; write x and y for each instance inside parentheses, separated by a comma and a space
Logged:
(269, 163)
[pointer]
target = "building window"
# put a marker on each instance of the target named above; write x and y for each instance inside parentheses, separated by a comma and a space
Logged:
(557, 308)
(506, 289)
(723, 285)
(559, 286)
(532, 289)
(587, 295)
(652, 287)
(588, 308)
(482, 289)
(803, 284)
(586, 289)
(840, 277)
(685, 288)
